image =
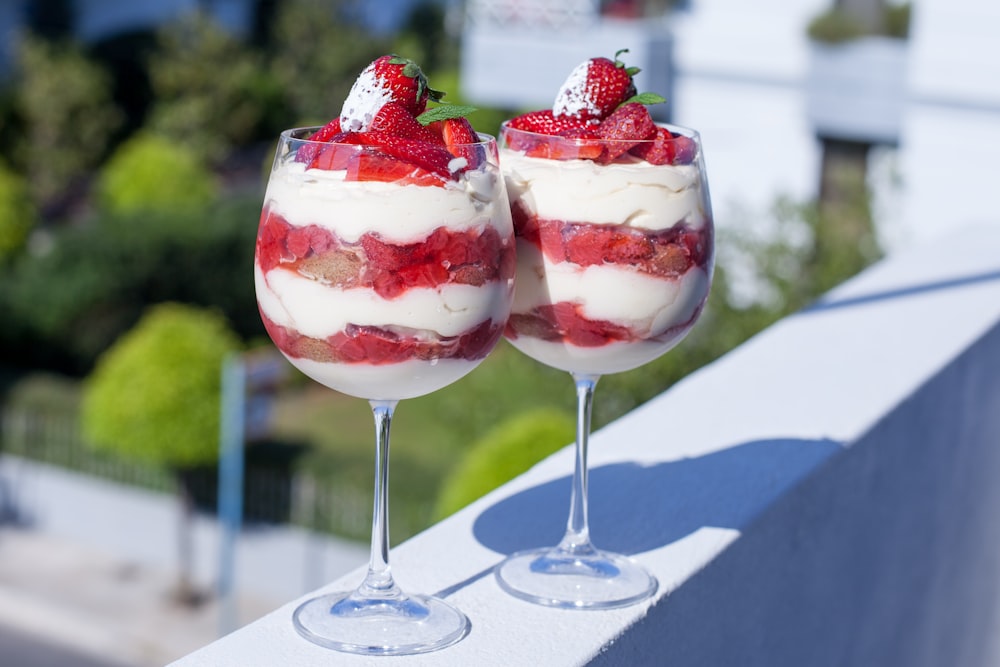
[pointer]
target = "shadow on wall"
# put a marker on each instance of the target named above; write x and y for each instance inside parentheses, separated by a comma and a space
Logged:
(636, 508)
(887, 556)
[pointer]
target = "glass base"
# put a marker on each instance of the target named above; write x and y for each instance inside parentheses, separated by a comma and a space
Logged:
(557, 578)
(397, 626)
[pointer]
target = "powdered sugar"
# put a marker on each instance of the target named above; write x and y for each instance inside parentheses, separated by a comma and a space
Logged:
(572, 98)
(367, 96)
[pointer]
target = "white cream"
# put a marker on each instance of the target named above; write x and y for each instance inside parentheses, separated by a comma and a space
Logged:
(632, 193)
(399, 213)
(407, 379)
(646, 304)
(319, 311)
(611, 358)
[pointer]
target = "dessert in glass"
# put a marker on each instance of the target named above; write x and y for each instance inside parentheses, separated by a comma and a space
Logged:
(615, 256)
(384, 269)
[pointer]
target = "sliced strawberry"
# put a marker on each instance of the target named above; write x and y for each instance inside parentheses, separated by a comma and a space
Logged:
(462, 140)
(628, 125)
(581, 143)
(430, 157)
(373, 165)
(333, 157)
(544, 121)
(308, 152)
(327, 132)
(564, 138)
(667, 148)
(394, 118)
(595, 88)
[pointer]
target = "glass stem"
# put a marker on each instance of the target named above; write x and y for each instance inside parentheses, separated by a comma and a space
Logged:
(378, 582)
(577, 538)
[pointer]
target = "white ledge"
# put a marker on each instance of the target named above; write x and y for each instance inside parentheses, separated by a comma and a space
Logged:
(821, 495)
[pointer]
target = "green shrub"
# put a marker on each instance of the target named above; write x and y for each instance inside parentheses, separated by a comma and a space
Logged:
(155, 395)
(67, 109)
(150, 172)
(835, 26)
(506, 451)
(65, 307)
(897, 20)
(212, 91)
(317, 58)
(17, 212)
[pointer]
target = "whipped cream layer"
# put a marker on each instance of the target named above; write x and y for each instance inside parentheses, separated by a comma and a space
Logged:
(630, 192)
(400, 213)
(646, 304)
(395, 382)
(319, 311)
(614, 357)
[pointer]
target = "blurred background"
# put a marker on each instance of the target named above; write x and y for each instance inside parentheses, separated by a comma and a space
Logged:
(135, 140)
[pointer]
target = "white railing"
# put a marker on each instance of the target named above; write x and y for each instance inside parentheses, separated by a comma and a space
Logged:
(825, 494)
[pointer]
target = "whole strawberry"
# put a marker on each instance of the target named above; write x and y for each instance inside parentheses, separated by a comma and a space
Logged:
(595, 88)
(390, 78)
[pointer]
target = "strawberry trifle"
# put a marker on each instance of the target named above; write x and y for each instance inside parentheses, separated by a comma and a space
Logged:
(614, 263)
(385, 256)
(385, 270)
(613, 223)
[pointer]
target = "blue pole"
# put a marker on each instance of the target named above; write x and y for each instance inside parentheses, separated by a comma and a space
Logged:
(231, 437)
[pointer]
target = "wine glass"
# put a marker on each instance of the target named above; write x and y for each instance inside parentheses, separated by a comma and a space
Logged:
(383, 281)
(614, 263)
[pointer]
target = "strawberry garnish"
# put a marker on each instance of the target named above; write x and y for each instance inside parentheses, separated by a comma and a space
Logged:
(375, 162)
(461, 140)
(394, 118)
(373, 165)
(627, 126)
(427, 156)
(595, 88)
(307, 152)
(544, 121)
(388, 79)
(666, 148)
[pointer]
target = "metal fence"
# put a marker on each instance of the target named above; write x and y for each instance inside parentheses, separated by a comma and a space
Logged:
(273, 492)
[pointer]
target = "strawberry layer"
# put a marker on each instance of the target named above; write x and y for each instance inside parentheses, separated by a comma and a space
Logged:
(461, 257)
(666, 253)
(377, 345)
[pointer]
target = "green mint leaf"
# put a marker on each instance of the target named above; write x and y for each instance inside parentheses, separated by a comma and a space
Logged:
(444, 112)
(646, 98)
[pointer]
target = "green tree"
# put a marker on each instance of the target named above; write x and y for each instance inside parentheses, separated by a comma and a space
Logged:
(152, 172)
(318, 57)
(17, 213)
(69, 118)
(212, 91)
(67, 305)
(155, 397)
(505, 451)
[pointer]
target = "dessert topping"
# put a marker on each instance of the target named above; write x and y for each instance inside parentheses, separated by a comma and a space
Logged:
(386, 112)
